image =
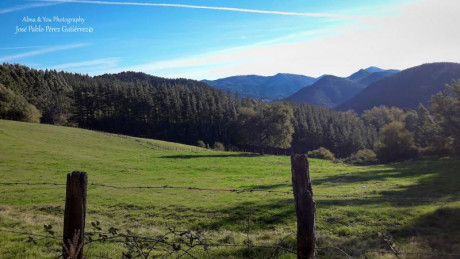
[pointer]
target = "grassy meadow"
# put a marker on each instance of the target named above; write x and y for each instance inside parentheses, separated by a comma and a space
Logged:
(365, 201)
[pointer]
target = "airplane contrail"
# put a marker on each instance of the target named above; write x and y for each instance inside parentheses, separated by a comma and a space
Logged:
(325, 15)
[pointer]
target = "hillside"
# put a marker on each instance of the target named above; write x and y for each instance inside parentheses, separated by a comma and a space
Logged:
(330, 91)
(371, 77)
(406, 89)
(270, 88)
(177, 110)
(414, 202)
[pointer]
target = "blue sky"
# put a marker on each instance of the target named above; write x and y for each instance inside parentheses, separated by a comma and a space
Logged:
(212, 39)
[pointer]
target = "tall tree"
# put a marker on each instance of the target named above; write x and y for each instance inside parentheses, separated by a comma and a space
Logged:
(446, 107)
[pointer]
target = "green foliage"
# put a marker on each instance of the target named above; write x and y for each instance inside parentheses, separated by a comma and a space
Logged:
(429, 136)
(411, 120)
(200, 143)
(184, 111)
(219, 146)
(363, 157)
(269, 127)
(15, 107)
(396, 143)
(248, 127)
(446, 107)
(382, 115)
(47, 90)
(321, 153)
(276, 127)
(343, 133)
(427, 130)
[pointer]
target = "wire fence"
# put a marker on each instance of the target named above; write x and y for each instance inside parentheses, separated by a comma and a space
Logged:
(277, 248)
(251, 246)
(230, 190)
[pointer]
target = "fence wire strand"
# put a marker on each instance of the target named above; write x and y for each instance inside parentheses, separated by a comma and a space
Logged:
(455, 254)
(159, 187)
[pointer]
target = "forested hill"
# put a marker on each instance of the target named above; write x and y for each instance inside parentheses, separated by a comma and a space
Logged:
(268, 88)
(406, 89)
(330, 91)
(134, 77)
(177, 110)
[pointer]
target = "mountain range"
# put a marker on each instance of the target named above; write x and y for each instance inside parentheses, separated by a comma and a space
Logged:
(268, 88)
(360, 91)
(330, 91)
(326, 90)
(405, 89)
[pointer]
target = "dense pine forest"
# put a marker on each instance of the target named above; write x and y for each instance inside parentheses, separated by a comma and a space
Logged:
(191, 112)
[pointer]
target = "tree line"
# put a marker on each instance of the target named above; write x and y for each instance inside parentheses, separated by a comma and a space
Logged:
(433, 130)
(189, 111)
(179, 110)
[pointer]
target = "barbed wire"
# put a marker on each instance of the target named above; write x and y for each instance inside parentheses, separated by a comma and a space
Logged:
(29, 234)
(344, 196)
(342, 251)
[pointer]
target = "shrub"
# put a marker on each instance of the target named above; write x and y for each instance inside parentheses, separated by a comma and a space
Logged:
(396, 143)
(219, 146)
(440, 146)
(200, 143)
(15, 107)
(363, 157)
(321, 153)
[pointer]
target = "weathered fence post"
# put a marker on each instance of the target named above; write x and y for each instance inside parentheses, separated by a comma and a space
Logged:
(304, 207)
(74, 215)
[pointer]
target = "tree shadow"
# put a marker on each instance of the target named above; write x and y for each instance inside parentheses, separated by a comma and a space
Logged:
(441, 183)
(261, 216)
(431, 235)
(439, 229)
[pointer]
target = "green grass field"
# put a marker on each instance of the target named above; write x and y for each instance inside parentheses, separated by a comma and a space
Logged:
(365, 200)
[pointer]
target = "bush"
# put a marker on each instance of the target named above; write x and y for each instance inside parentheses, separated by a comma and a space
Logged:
(200, 143)
(15, 107)
(440, 146)
(321, 153)
(219, 146)
(396, 143)
(363, 157)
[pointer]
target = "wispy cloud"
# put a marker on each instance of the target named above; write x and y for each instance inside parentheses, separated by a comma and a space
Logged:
(41, 51)
(24, 47)
(381, 41)
(224, 57)
(104, 62)
(232, 9)
(24, 7)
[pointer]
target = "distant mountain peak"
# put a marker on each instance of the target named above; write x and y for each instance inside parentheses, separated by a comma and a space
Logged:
(374, 69)
(405, 89)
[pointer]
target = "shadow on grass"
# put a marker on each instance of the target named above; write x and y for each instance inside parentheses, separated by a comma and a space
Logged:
(439, 229)
(442, 181)
(271, 187)
(212, 156)
(267, 215)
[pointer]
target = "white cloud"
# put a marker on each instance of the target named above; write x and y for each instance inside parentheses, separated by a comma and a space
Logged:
(41, 51)
(226, 57)
(24, 47)
(326, 15)
(101, 63)
(421, 32)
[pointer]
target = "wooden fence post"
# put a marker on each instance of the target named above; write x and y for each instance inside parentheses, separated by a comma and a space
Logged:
(74, 216)
(304, 207)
